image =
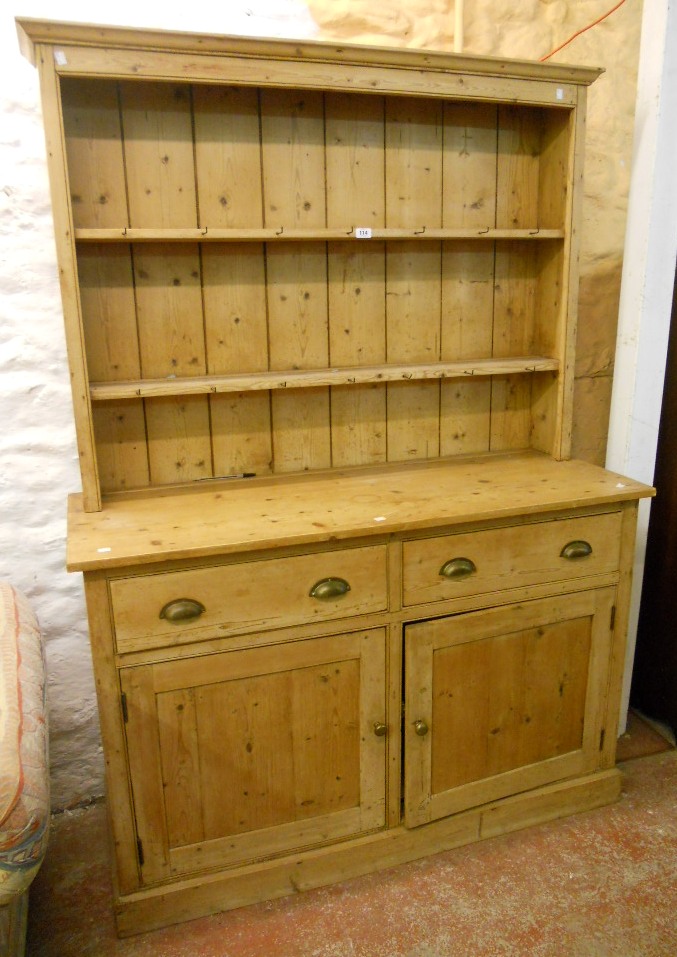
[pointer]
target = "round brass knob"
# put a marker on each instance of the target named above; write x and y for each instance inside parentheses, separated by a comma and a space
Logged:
(421, 728)
(380, 729)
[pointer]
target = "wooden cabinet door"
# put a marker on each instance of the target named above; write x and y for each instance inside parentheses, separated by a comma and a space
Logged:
(503, 700)
(247, 754)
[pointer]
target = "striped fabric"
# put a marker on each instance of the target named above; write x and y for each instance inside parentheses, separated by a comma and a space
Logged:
(24, 774)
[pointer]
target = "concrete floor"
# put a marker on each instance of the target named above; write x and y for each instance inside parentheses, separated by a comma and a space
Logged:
(601, 884)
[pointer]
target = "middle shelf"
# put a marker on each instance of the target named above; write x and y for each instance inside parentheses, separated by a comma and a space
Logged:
(129, 234)
(312, 378)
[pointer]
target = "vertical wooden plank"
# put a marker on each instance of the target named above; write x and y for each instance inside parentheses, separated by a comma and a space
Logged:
(236, 332)
(413, 291)
(298, 336)
(514, 307)
(179, 447)
(357, 337)
(505, 691)
(417, 756)
(146, 771)
(570, 643)
(50, 96)
(461, 708)
(229, 184)
(356, 304)
(549, 340)
(119, 802)
(301, 430)
(469, 200)
(514, 299)
(554, 168)
(370, 687)
(246, 733)
(469, 165)
(394, 692)
(91, 117)
(109, 325)
(171, 338)
(169, 310)
(108, 312)
(98, 198)
(464, 416)
(157, 126)
(413, 300)
(556, 174)
(297, 306)
(413, 167)
(183, 800)
(562, 442)
(413, 420)
(358, 425)
(122, 448)
(517, 187)
(511, 414)
(241, 435)
(355, 160)
(467, 330)
(326, 738)
(227, 156)
(292, 131)
(233, 278)
(562, 161)
(616, 636)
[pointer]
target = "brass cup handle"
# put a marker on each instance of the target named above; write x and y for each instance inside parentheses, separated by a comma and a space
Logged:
(421, 728)
(574, 551)
(457, 568)
(327, 589)
(182, 609)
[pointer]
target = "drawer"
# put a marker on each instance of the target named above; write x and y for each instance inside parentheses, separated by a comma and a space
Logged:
(247, 595)
(511, 557)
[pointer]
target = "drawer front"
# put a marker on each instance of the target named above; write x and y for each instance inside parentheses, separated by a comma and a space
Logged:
(456, 566)
(249, 595)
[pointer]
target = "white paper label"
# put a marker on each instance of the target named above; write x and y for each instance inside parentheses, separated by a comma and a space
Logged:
(362, 232)
(60, 58)
(559, 93)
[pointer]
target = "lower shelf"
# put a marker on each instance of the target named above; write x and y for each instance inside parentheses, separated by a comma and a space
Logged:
(212, 893)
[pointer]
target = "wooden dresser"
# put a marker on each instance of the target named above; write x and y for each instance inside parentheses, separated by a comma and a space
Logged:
(350, 601)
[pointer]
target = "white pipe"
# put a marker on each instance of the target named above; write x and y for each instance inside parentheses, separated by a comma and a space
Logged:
(647, 281)
(458, 26)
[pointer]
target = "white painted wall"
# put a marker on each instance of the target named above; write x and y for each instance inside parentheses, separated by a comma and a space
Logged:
(648, 278)
(38, 459)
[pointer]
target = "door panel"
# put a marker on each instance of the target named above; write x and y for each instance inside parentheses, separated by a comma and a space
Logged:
(512, 699)
(245, 754)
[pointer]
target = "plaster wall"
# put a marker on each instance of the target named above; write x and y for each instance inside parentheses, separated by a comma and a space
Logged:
(37, 447)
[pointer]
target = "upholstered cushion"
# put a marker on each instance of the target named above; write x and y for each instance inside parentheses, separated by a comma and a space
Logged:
(24, 777)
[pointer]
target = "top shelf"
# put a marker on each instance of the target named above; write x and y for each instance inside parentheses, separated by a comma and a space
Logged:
(281, 233)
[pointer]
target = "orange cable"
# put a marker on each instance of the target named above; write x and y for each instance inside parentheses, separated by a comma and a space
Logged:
(579, 32)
